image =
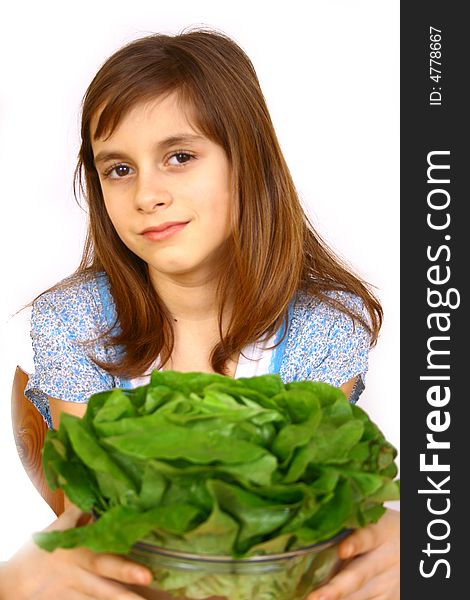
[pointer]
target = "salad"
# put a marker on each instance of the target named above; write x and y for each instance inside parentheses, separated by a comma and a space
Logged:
(209, 465)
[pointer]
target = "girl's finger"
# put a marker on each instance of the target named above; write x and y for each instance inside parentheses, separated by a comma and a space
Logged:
(385, 586)
(74, 595)
(348, 581)
(367, 538)
(100, 588)
(67, 519)
(117, 568)
(362, 540)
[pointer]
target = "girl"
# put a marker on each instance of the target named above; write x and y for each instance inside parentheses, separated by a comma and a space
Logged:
(198, 258)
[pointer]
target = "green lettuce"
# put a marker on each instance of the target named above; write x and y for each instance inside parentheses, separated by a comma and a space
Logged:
(207, 464)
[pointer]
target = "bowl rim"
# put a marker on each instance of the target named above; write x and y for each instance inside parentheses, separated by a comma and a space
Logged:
(258, 558)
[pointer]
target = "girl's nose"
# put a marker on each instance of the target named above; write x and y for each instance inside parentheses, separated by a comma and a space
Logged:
(151, 193)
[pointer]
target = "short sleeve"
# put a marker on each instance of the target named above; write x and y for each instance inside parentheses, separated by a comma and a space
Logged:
(325, 344)
(64, 334)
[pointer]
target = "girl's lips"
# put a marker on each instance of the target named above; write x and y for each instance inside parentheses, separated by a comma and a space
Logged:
(163, 232)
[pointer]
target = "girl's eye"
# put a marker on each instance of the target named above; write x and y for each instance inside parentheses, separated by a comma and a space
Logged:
(117, 171)
(179, 158)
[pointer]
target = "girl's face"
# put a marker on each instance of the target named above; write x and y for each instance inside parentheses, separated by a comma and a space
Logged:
(166, 188)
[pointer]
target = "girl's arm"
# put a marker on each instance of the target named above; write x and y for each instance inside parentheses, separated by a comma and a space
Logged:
(56, 407)
(349, 386)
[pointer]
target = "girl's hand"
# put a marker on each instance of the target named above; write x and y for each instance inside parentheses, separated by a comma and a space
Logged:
(78, 574)
(374, 570)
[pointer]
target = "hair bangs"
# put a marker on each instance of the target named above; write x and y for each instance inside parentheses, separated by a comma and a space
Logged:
(176, 75)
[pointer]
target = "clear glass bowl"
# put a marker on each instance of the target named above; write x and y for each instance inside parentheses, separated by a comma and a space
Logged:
(287, 576)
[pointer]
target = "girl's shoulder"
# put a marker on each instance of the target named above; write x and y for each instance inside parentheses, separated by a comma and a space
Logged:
(318, 321)
(82, 302)
(323, 341)
(314, 307)
(66, 326)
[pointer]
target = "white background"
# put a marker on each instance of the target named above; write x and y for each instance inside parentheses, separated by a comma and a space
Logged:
(329, 70)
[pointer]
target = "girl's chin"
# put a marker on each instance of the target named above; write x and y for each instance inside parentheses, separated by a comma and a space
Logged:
(179, 271)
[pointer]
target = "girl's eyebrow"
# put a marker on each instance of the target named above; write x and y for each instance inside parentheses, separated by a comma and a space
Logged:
(172, 140)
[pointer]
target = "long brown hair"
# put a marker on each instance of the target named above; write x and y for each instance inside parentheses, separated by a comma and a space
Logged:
(275, 251)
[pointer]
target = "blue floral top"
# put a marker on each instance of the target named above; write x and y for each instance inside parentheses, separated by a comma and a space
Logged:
(322, 343)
